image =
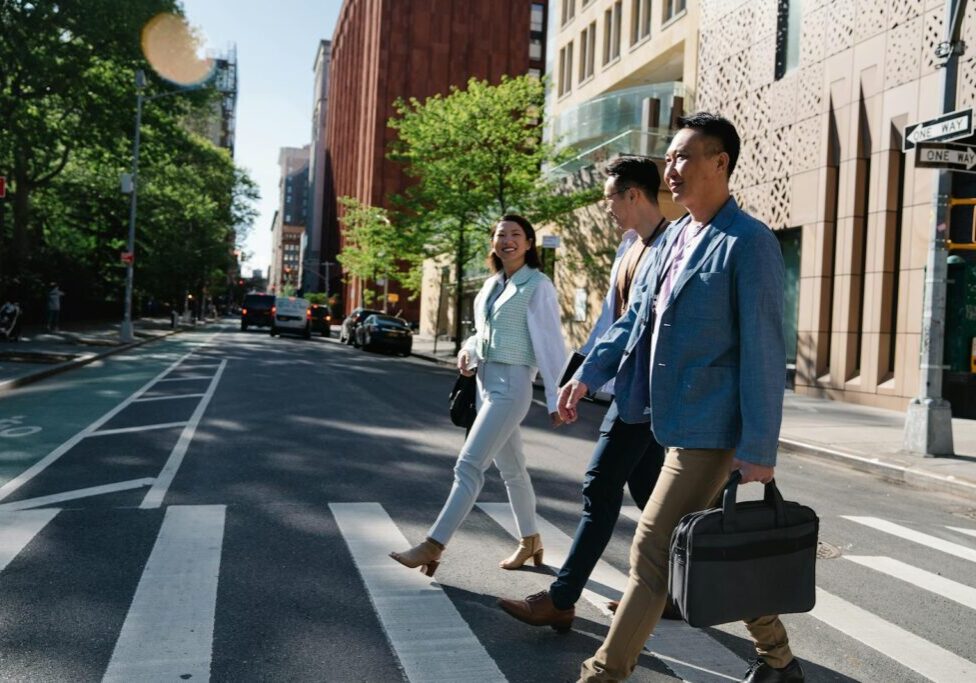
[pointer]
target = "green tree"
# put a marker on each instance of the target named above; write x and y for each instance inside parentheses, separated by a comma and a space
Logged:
(475, 154)
(370, 243)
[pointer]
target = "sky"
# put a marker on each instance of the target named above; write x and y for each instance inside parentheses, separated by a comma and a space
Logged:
(276, 44)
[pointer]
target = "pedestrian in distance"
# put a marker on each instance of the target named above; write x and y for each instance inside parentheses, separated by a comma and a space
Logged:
(54, 307)
(626, 452)
(517, 335)
(708, 329)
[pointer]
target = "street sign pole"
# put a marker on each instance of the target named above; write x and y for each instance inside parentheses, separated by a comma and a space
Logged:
(928, 422)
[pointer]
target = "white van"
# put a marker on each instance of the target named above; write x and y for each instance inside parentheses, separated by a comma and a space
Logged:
(292, 315)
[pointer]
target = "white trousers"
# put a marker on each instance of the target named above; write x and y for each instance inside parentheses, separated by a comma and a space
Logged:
(504, 397)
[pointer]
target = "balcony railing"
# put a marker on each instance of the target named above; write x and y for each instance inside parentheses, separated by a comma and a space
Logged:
(651, 142)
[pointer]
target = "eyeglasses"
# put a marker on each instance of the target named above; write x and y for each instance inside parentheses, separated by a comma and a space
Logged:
(608, 197)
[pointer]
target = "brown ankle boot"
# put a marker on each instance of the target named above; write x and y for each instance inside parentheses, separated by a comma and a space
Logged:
(538, 610)
(529, 546)
(427, 556)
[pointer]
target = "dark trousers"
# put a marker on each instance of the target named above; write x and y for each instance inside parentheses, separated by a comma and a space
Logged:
(625, 454)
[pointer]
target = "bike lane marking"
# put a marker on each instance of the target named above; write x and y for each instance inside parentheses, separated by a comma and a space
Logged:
(56, 498)
(19, 529)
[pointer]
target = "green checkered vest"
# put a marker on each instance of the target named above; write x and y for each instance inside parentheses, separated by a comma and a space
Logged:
(504, 332)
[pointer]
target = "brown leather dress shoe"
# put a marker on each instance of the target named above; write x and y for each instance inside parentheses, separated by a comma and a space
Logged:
(671, 611)
(538, 610)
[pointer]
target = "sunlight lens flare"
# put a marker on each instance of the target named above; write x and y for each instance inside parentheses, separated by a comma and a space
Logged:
(175, 50)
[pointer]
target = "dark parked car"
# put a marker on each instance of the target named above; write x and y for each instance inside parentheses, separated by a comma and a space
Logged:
(380, 331)
(257, 310)
(321, 319)
(347, 334)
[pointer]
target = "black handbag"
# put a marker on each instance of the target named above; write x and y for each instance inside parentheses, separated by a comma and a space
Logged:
(461, 401)
(746, 560)
(572, 364)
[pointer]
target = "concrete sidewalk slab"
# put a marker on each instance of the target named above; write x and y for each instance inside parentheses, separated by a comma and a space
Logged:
(860, 437)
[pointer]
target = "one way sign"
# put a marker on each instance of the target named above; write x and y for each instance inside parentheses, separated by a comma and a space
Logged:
(950, 156)
(952, 126)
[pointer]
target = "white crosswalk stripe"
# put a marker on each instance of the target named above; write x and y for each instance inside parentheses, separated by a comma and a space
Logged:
(168, 632)
(915, 536)
(441, 649)
(968, 532)
(689, 652)
(934, 583)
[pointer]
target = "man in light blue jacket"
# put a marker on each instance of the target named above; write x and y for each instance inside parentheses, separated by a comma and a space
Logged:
(704, 342)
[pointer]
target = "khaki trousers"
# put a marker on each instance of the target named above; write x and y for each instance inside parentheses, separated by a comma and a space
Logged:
(689, 481)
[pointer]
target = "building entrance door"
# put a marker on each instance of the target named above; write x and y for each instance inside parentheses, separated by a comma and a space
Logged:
(789, 242)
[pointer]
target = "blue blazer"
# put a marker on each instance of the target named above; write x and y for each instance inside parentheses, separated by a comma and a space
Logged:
(720, 361)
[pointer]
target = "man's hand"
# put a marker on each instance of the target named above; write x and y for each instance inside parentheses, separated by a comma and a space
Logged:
(569, 396)
(555, 420)
(463, 359)
(752, 472)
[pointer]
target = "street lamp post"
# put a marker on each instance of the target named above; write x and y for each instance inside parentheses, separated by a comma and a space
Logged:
(125, 333)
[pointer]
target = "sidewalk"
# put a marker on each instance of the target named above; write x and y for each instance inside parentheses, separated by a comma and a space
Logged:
(39, 354)
(860, 437)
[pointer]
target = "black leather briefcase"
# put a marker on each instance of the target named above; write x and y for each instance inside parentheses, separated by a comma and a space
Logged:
(745, 560)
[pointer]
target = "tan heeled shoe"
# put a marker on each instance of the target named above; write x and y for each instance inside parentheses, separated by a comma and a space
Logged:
(529, 546)
(427, 556)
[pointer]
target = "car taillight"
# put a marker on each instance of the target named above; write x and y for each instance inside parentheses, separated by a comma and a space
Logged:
(274, 309)
(328, 318)
(243, 311)
(308, 314)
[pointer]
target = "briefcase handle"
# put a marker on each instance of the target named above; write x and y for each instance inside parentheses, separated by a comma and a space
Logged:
(771, 496)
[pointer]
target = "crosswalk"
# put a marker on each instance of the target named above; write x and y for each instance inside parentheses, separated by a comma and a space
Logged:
(168, 629)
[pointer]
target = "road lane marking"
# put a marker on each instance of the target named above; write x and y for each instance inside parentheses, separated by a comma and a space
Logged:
(56, 498)
(934, 583)
(17, 529)
(689, 652)
(51, 457)
(915, 536)
(137, 428)
(166, 398)
(154, 498)
(440, 646)
(188, 377)
(168, 631)
(918, 654)
(961, 530)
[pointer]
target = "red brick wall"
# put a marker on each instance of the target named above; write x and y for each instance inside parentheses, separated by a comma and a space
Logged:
(385, 49)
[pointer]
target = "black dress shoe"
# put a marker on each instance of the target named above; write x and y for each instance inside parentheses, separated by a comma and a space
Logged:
(761, 672)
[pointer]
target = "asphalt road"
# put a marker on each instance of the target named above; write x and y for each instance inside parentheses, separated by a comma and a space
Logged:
(220, 504)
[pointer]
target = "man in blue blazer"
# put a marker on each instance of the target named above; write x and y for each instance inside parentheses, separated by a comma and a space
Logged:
(701, 352)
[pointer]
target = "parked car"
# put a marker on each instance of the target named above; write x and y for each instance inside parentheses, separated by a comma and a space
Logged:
(293, 316)
(381, 331)
(321, 320)
(347, 333)
(256, 310)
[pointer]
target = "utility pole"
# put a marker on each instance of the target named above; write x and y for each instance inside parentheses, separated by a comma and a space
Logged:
(125, 333)
(928, 422)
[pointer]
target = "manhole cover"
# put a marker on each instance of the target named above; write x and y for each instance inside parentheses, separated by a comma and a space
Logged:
(826, 551)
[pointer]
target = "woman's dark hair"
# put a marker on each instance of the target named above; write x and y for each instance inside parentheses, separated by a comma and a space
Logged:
(531, 256)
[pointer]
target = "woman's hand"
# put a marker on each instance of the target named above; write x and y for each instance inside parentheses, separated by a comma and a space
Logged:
(463, 360)
(555, 420)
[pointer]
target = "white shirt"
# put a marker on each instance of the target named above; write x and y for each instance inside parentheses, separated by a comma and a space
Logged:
(546, 332)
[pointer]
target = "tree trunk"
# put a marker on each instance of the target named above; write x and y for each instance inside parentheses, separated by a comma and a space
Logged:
(21, 248)
(458, 287)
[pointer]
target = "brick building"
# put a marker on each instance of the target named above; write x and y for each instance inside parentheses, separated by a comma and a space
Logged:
(386, 49)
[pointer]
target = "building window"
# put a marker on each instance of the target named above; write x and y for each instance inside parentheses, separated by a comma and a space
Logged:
(535, 73)
(569, 11)
(788, 27)
(566, 69)
(673, 8)
(587, 50)
(640, 20)
(537, 22)
(535, 49)
(611, 32)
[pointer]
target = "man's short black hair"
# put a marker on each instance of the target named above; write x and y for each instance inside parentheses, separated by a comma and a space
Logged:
(636, 171)
(719, 129)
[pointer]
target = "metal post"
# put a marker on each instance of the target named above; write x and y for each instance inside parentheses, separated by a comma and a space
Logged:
(928, 422)
(125, 333)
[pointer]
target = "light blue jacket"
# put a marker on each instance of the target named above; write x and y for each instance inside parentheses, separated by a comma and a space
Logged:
(720, 361)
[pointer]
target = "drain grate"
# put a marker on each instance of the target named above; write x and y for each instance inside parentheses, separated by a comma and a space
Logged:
(826, 551)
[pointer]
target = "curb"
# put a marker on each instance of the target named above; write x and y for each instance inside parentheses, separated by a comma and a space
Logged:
(9, 385)
(913, 476)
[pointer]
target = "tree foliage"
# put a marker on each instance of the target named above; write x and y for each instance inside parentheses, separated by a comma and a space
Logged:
(370, 242)
(475, 154)
(67, 104)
